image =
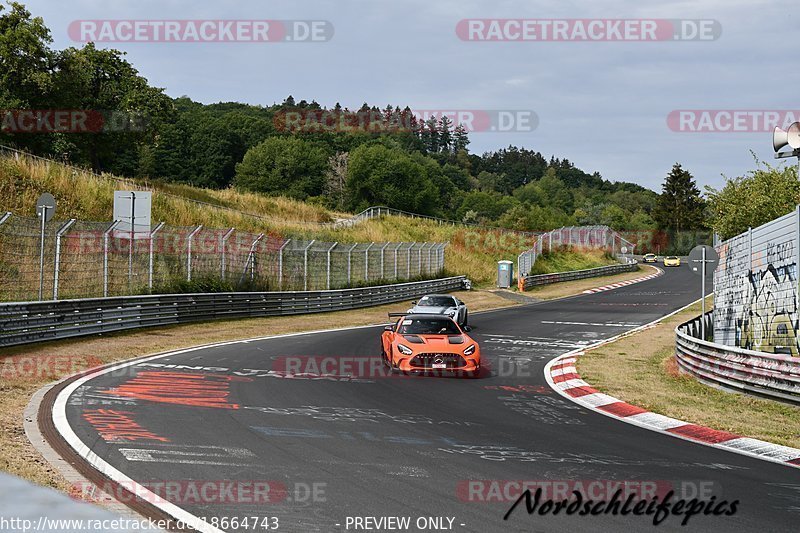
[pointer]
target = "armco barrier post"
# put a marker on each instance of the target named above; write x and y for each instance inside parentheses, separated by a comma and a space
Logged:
(106, 233)
(189, 252)
(225, 238)
(280, 264)
(57, 267)
(150, 262)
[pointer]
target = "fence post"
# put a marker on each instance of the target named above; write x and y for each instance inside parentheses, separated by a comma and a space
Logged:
(305, 265)
(328, 273)
(350, 263)
(280, 264)
(106, 233)
(395, 259)
(189, 252)
(419, 258)
(150, 265)
(408, 259)
(251, 259)
(366, 261)
(224, 245)
(430, 259)
(56, 270)
(383, 275)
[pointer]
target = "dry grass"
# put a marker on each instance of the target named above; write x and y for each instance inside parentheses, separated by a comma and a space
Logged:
(26, 369)
(85, 196)
(641, 369)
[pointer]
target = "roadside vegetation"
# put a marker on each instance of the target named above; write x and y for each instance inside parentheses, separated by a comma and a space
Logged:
(86, 196)
(640, 369)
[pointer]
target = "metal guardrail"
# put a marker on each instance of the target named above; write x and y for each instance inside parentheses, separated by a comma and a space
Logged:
(768, 375)
(29, 322)
(528, 282)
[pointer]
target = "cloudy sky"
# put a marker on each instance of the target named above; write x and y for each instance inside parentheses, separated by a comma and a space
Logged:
(603, 105)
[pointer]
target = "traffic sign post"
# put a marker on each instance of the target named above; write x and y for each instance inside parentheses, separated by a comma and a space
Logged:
(700, 258)
(45, 209)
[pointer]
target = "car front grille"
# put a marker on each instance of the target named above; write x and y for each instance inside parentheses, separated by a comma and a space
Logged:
(427, 360)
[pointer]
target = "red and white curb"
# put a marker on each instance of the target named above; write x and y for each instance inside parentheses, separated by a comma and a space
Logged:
(562, 376)
(624, 283)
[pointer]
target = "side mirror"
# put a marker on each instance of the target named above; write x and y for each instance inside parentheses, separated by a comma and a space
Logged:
(467, 328)
(414, 303)
(388, 328)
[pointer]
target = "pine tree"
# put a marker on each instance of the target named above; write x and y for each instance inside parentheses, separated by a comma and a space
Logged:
(460, 139)
(680, 206)
(445, 137)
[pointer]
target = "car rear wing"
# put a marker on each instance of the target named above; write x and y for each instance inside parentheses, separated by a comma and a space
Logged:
(397, 315)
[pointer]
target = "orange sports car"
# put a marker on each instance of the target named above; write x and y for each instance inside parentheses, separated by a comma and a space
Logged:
(429, 344)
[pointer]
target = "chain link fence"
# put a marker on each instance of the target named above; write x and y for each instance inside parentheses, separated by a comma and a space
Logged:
(96, 259)
(587, 237)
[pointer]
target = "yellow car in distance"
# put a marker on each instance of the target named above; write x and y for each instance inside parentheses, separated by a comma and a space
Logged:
(672, 261)
(650, 258)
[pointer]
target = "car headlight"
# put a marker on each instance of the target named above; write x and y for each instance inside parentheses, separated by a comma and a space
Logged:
(405, 350)
(470, 350)
(450, 312)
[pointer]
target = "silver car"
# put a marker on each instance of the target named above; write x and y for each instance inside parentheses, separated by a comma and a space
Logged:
(442, 304)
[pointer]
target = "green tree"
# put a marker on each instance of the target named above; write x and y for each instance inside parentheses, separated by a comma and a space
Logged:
(103, 81)
(286, 166)
(680, 206)
(386, 175)
(754, 199)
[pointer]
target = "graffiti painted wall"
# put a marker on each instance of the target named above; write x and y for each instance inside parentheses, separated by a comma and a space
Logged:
(756, 289)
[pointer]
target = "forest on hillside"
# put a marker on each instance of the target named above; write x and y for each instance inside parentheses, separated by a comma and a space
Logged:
(385, 155)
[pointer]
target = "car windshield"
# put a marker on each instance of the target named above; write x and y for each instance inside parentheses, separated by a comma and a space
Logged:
(436, 301)
(428, 326)
(672, 258)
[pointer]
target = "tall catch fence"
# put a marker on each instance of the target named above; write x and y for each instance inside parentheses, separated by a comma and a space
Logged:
(96, 259)
(586, 237)
(756, 288)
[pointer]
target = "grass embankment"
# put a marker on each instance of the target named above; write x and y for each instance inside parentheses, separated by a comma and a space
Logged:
(85, 196)
(641, 369)
(566, 259)
(26, 369)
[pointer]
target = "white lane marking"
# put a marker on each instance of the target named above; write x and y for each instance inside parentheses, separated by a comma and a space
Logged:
(227, 457)
(602, 324)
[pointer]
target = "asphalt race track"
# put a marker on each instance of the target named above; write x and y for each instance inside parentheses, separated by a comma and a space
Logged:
(363, 443)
